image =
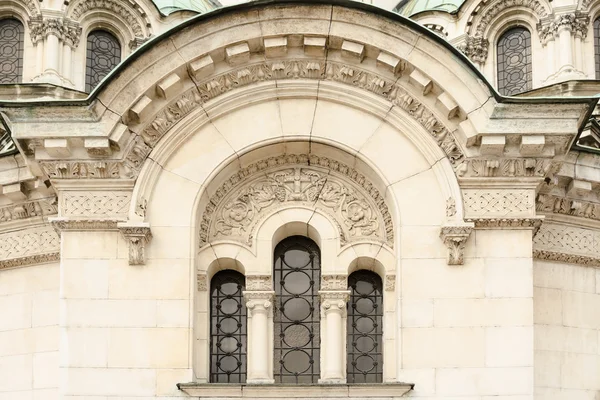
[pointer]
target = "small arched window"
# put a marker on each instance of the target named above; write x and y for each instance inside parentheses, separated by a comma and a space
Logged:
(597, 46)
(103, 55)
(365, 328)
(297, 273)
(11, 50)
(227, 328)
(514, 61)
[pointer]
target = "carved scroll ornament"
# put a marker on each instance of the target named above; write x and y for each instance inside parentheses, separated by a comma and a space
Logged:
(341, 192)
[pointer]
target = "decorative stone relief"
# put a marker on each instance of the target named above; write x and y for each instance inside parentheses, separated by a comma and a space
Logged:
(135, 22)
(95, 204)
(137, 236)
(334, 282)
(455, 238)
(476, 49)
(29, 246)
(334, 188)
(548, 203)
(66, 224)
(334, 299)
(507, 223)
(520, 167)
(450, 207)
(499, 203)
(390, 282)
(81, 170)
(35, 208)
(202, 282)
(263, 299)
(567, 243)
(259, 282)
(482, 15)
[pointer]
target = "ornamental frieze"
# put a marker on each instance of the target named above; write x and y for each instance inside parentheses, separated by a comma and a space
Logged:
(339, 191)
(494, 203)
(561, 205)
(29, 209)
(95, 204)
(567, 243)
(29, 246)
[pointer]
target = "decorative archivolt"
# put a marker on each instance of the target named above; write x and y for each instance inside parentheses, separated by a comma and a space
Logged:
(247, 197)
(32, 6)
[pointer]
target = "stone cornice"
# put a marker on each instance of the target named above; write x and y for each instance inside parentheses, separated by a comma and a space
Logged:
(32, 245)
(61, 224)
(29, 260)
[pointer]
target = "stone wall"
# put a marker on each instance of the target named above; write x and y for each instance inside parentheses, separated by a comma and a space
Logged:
(567, 331)
(29, 334)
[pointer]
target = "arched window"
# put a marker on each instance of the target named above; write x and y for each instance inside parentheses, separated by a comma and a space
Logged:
(11, 50)
(365, 328)
(514, 61)
(103, 55)
(597, 45)
(227, 328)
(296, 273)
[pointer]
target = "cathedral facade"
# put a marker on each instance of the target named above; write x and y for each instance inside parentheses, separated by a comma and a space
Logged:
(299, 199)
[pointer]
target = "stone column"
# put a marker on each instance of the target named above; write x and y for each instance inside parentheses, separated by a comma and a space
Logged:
(333, 307)
(260, 306)
(53, 32)
(72, 35)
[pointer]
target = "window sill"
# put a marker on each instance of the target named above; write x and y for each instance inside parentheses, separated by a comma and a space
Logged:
(216, 390)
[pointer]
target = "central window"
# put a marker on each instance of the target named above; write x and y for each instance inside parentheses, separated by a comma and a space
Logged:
(296, 273)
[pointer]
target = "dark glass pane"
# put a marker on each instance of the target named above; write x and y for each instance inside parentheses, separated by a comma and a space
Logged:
(11, 51)
(365, 328)
(597, 46)
(297, 268)
(103, 55)
(227, 328)
(514, 61)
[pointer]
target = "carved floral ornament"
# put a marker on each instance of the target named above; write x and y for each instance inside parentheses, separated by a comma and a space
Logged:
(342, 193)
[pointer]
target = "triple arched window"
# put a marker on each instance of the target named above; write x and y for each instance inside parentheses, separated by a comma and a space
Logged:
(103, 55)
(514, 61)
(296, 320)
(11, 50)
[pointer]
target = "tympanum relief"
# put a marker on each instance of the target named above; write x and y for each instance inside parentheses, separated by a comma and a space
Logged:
(342, 193)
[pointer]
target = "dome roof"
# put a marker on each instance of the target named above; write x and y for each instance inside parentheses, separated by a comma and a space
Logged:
(411, 7)
(201, 6)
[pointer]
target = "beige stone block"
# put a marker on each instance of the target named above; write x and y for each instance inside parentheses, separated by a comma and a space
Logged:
(532, 144)
(30, 279)
(26, 395)
(169, 243)
(443, 347)
(509, 278)
(509, 346)
(202, 67)
(165, 210)
(583, 341)
(110, 313)
(96, 245)
(417, 313)
(547, 368)
(97, 147)
(298, 115)
(16, 373)
(423, 378)
(167, 380)
(421, 81)
(515, 243)
(114, 382)
(547, 306)
(237, 54)
(422, 242)
(482, 312)
(45, 308)
(484, 381)
(16, 192)
(57, 148)
(419, 197)
(85, 279)
(256, 127)
(44, 338)
(447, 105)
(16, 311)
(581, 310)
(45, 370)
(314, 46)
(433, 278)
(173, 313)
(549, 338)
(158, 279)
(140, 110)
(492, 145)
(397, 159)
(148, 348)
(580, 371)
(16, 342)
(47, 394)
(598, 281)
(84, 347)
(353, 51)
(169, 87)
(275, 46)
(564, 276)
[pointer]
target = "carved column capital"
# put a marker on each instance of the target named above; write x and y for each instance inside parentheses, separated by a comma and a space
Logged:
(334, 300)
(72, 34)
(455, 238)
(137, 236)
(476, 48)
(259, 301)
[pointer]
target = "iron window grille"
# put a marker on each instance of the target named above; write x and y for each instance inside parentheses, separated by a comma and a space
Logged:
(11, 50)
(103, 55)
(514, 61)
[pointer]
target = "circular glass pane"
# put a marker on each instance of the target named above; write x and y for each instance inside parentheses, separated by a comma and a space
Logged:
(365, 344)
(364, 287)
(228, 364)
(296, 336)
(365, 306)
(296, 258)
(229, 288)
(229, 306)
(296, 361)
(229, 325)
(364, 325)
(228, 344)
(296, 309)
(364, 363)
(297, 282)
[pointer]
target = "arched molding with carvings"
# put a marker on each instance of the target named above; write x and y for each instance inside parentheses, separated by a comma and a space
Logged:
(486, 12)
(25, 9)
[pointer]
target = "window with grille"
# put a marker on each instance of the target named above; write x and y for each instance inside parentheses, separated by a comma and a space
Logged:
(597, 46)
(365, 328)
(11, 49)
(227, 328)
(103, 55)
(296, 273)
(514, 61)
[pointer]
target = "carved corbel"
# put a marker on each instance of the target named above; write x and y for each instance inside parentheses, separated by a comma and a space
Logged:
(137, 236)
(455, 238)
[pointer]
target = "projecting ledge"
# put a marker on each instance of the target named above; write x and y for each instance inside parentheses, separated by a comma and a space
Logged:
(215, 390)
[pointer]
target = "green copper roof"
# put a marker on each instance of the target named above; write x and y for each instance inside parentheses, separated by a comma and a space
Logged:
(201, 6)
(412, 7)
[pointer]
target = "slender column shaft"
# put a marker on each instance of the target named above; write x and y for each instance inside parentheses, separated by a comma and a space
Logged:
(566, 52)
(578, 53)
(259, 305)
(551, 57)
(39, 57)
(333, 304)
(52, 53)
(67, 62)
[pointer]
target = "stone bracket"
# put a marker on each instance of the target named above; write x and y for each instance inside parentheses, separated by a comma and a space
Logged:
(455, 238)
(137, 236)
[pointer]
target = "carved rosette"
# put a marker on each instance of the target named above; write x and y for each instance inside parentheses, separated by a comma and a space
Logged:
(455, 238)
(137, 236)
(337, 190)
